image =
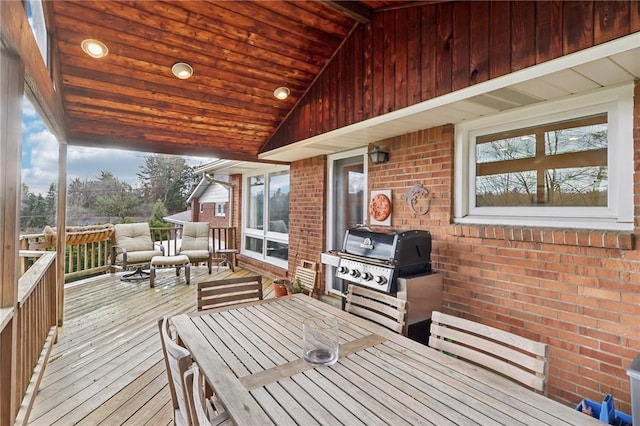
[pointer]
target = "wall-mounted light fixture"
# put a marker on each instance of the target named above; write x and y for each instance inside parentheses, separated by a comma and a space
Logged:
(378, 156)
(182, 70)
(281, 93)
(94, 48)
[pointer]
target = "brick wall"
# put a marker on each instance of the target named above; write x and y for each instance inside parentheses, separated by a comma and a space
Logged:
(208, 214)
(578, 291)
(307, 212)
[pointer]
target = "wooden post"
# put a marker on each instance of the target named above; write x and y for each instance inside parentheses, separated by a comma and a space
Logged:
(61, 241)
(12, 89)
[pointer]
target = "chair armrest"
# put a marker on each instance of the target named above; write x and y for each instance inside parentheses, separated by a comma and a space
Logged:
(114, 254)
(160, 246)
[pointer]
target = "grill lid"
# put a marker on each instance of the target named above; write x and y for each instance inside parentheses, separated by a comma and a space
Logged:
(399, 249)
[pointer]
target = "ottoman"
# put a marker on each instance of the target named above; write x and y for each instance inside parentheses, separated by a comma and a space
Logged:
(161, 262)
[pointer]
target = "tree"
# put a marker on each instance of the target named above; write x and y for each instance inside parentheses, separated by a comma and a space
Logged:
(36, 211)
(168, 179)
(156, 220)
(116, 198)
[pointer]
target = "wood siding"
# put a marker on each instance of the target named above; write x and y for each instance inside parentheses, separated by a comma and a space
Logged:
(411, 55)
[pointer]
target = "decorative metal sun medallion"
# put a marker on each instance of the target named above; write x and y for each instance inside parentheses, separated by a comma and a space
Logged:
(414, 196)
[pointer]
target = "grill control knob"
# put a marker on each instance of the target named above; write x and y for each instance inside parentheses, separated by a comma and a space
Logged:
(354, 273)
(380, 280)
(367, 276)
(343, 269)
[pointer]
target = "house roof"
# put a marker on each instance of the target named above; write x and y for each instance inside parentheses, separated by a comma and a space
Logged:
(209, 192)
(240, 51)
(179, 218)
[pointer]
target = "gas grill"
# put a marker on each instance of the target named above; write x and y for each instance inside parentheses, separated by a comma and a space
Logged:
(396, 263)
(377, 259)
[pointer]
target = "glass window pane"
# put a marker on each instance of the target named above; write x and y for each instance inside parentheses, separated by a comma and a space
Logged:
(588, 137)
(35, 13)
(277, 250)
(506, 189)
(579, 186)
(255, 207)
(557, 164)
(279, 202)
(348, 192)
(523, 146)
(253, 244)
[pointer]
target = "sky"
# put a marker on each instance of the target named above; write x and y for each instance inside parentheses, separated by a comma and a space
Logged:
(40, 157)
(40, 148)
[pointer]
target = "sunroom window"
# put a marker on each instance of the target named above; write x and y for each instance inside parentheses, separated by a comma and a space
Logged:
(563, 164)
(266, 221)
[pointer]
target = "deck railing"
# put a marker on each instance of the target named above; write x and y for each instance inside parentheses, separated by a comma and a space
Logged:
(36, 314)
(36, 318)
(86, 259)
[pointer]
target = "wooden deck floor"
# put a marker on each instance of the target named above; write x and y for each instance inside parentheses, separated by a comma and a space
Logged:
(107, 366)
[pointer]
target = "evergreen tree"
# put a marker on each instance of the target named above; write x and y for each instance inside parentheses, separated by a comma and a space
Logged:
(168, 179)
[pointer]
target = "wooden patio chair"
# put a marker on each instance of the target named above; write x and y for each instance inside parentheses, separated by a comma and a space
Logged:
(306, 272)
(516, 357)
(196, 244)
(380, 308)
(177, 361)
(202, 413)
(218, 293)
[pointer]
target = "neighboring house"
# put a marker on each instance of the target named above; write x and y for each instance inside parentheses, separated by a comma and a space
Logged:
(209, 202)
(178, 219)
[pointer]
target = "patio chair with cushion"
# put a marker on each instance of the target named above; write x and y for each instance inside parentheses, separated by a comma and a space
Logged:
(519, 358)
(195, 243)
(133, 246)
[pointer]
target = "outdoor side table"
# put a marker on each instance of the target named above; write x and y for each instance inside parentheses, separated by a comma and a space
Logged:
(228, 258)
(162, 262)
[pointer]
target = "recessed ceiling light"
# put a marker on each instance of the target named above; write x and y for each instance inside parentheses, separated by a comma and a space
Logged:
(94, 48)
(182, 70)
(282, 93)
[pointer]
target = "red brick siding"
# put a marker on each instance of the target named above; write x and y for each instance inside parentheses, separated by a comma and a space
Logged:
(307, 210)
(208, 214)
(577, 290)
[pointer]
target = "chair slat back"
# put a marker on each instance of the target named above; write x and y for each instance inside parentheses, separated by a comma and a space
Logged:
(306, 272)
(380, 308)
(194, 388)
(509, 354)
(177, 361)
(218, 293)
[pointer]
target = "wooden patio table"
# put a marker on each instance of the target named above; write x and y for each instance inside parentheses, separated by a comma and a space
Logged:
(251, 356)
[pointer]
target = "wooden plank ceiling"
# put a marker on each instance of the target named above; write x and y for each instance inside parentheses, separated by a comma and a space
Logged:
(240, 52)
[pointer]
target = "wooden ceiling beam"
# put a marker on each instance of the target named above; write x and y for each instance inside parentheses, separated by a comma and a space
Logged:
(353, 10)
(168, 146)
(17, 35)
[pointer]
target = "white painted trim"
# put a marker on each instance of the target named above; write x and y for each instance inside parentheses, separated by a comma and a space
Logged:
(329, 243)
(616, 101)
(264, 235)
(581, 57)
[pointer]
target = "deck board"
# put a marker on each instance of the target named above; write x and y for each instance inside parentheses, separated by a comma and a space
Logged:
(107, 365)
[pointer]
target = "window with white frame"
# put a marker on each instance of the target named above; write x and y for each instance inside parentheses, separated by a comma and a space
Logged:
(567, 163)
(201, 207)
(219, 209)
(266, 219)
